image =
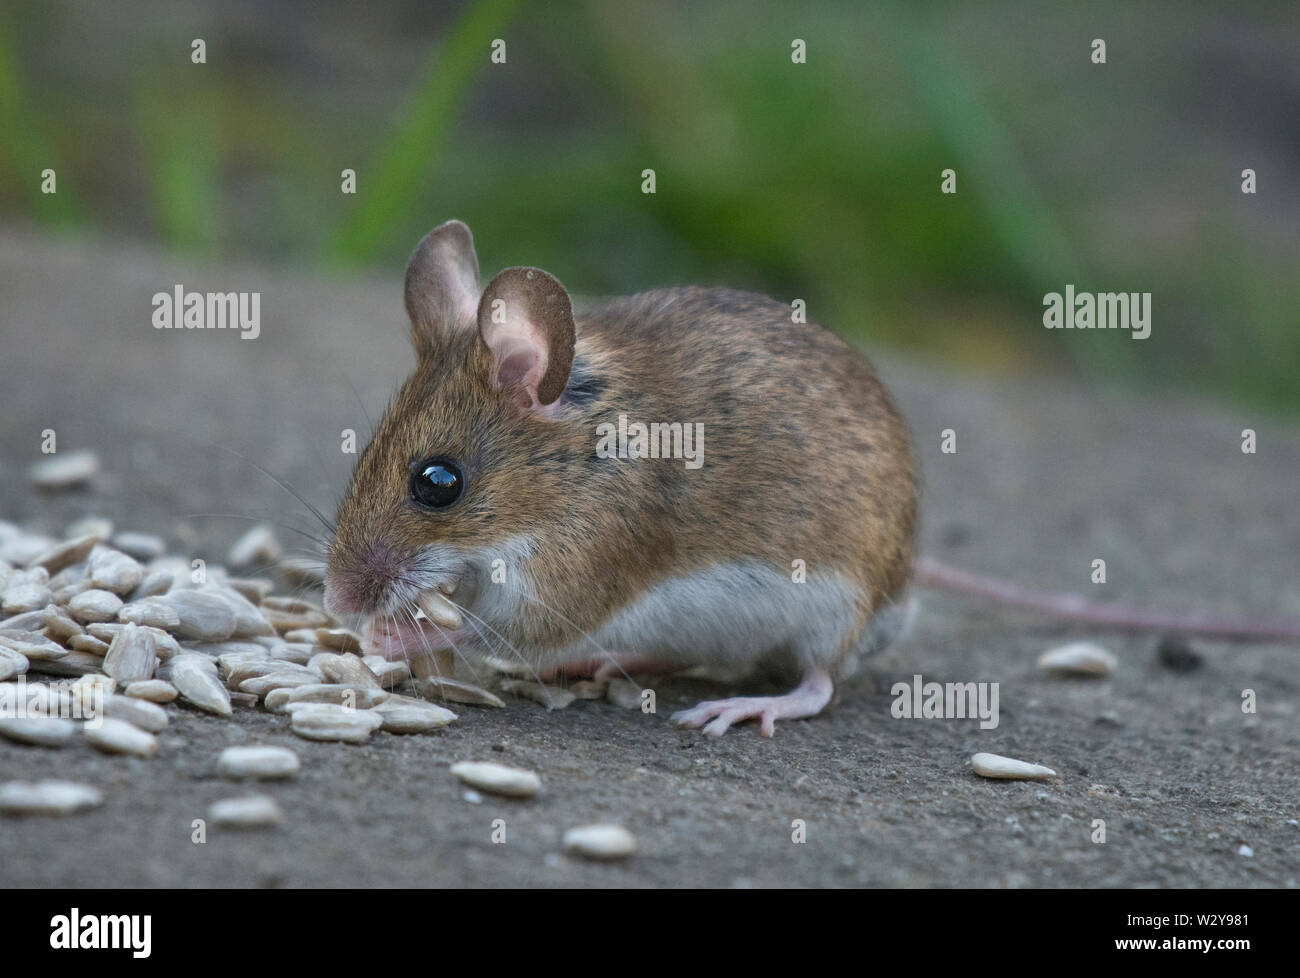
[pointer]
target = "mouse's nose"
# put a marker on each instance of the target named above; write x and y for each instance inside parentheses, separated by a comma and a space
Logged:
(359, 582)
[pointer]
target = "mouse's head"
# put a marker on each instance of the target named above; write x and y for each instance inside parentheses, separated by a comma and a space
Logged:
(471, 457)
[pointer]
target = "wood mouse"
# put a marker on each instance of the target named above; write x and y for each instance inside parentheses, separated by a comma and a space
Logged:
(482, 516)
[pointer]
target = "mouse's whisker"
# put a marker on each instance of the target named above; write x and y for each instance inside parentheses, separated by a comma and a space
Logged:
(603, 651)
(254, 519)
(523, 660)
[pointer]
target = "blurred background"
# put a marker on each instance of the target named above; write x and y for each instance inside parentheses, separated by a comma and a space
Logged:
(818, 181)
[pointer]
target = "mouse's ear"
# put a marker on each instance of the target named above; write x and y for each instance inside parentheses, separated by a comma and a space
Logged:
(442, 282)
(526, 319)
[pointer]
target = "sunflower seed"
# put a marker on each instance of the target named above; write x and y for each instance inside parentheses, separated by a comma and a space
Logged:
(256, 811)
(21, 549)
(39, 731)
(454, 691)
(114, 736)
(75, 663)
(1079, 659)
(114, 571)
(299, 655)
(289, 621)
(12, 663)
(277, 700)
(344, 668)
(58, 626)
(205, 616)
(137, 712)
(153, 612)
(624, 693)
(303, 570)
(195, 678)
(25, 596)
(252, 588)
(259, 686)
(131, 656)
(498, 779)
(338, 639)
(390, 674)
(70, 575)
(600, 841)
(64, 470)
(105, 631)
(47, 797)
(237, 669)
(27, 621)
(433, 665)
(155, 583)
(249, 620)
(90, 691)
(141, 546)
(100, 526)
(996, 766)
(33, 645)
(403, 718)
(95, 606)
(343, 694)
(325, 721)
(551, 697)
(152, 691)
(257, 546)
(261, 762)
(65, 554)
(439, 610)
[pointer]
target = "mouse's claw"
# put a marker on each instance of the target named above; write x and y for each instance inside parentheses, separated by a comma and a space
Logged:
(714, 717)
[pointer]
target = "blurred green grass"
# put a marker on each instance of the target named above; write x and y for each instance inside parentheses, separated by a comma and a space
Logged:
(818, 181)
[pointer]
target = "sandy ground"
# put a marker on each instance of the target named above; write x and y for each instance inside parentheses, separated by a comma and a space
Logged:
(1048, 476)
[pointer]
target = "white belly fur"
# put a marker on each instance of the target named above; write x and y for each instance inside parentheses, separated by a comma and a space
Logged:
(730, 616)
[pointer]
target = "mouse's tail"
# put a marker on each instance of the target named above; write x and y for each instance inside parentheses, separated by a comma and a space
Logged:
(932, 573)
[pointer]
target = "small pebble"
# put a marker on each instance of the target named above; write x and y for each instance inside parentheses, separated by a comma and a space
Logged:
(1176, 654)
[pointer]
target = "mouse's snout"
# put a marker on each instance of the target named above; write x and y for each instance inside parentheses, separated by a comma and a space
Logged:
(361, 581)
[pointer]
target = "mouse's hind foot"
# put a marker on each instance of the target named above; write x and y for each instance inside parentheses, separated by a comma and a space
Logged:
(806, 700)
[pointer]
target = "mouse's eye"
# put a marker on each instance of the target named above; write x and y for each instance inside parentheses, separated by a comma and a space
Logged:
(437, 483)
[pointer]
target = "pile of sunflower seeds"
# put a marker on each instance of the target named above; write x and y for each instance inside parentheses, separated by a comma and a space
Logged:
(101, 633)
(110, 619)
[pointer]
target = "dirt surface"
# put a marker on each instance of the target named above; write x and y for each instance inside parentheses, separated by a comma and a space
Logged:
(1047, 477)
